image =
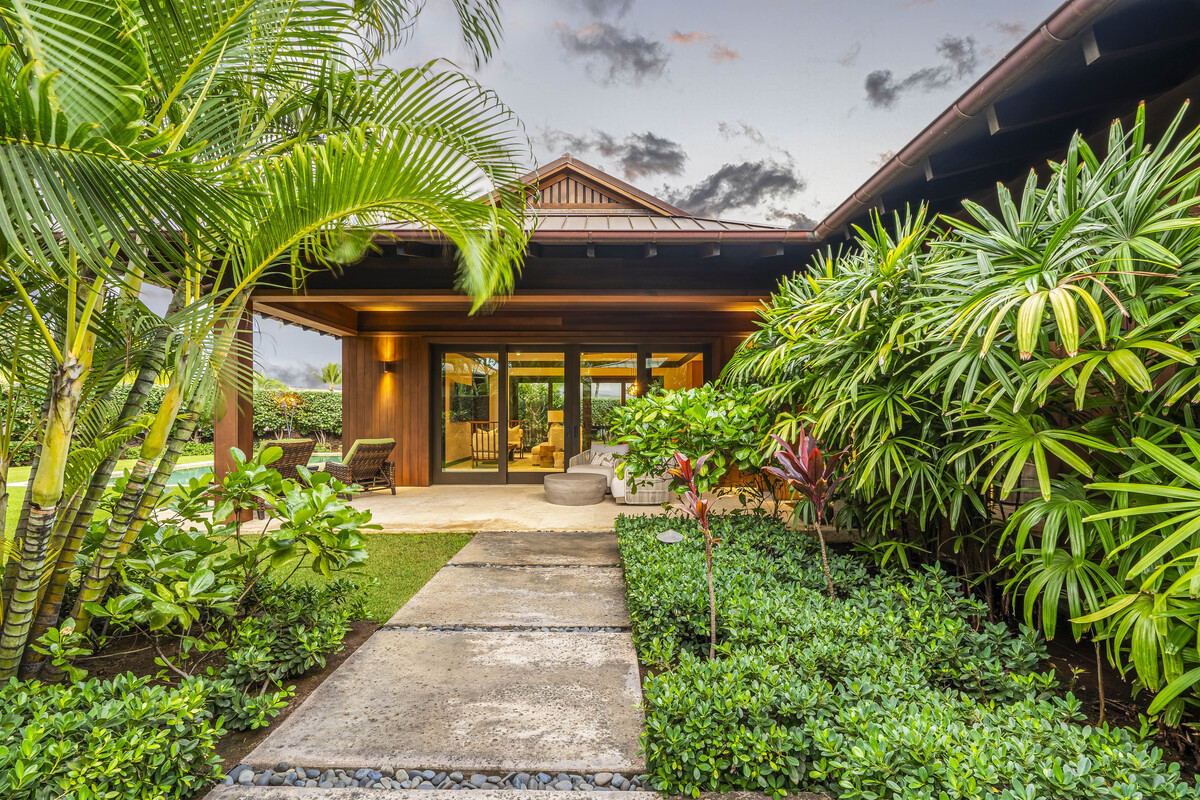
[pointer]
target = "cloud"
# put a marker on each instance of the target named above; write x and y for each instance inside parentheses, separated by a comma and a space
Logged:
(606, 8)
(960, 57)
(717, 51)
(732, 130)
(883, 158)
(740, 185)
(850, 57)
(296, 375)
(1011, 30)
(638, 154)
(614, 54)
(694, 37)
(796, 220)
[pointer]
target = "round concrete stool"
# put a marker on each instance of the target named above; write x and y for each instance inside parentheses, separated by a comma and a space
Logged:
(575, 488)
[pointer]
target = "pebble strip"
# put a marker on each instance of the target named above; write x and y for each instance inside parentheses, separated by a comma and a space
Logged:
(390, 778)
(516, 628)
(533, 566)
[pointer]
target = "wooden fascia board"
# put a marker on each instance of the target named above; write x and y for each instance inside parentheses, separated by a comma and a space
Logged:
(316, 317)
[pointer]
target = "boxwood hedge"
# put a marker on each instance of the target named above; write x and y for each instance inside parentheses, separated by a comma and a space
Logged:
(899, 688)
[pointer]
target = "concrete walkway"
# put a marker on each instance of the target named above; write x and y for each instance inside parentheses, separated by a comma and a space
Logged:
(490, 699)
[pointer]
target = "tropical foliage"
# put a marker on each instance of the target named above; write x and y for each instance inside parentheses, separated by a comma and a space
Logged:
(732, 424)
(209, 148)
(1016, 388)
(898, 688)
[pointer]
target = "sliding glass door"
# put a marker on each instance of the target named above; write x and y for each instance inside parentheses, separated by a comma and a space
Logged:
(513, 413)
(537, 411)
(607, 379)
(471, 439)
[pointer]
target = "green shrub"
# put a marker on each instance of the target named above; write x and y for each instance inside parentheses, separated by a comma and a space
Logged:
(105, 739)
(197, 449)
(298, 626)
(897, 688)
(732, 423)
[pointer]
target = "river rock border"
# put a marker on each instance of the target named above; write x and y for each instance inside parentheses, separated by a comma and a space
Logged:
(510, 628)
(285, 774)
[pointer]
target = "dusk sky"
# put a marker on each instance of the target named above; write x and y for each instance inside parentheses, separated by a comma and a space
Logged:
(760, 110)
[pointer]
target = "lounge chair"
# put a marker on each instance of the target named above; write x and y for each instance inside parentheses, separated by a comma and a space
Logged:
(296, 452)
(366, 463)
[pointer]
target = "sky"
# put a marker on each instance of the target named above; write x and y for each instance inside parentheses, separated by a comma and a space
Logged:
(758, 110)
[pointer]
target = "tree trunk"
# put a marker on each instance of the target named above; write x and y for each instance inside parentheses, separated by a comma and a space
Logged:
(50, 606)
(119, 538)
(44, 492)
(10, 569)
(1099, 676)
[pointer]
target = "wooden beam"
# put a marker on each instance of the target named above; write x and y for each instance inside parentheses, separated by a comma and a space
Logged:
(649, 251)
(710, 250)
(332, 318)
(770, 250)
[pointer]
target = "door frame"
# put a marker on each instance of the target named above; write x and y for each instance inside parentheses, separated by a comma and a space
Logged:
(571, 376)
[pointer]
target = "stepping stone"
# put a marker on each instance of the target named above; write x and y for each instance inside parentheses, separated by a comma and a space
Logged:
(294, 793)
(548, 548)
(552, 597)
(492, 703)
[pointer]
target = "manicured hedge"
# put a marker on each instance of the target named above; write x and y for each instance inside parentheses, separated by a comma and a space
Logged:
(121, 738)
(899, 688)
(319, 411)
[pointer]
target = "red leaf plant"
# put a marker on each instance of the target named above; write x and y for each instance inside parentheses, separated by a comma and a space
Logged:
(697, 507)
(813, 476)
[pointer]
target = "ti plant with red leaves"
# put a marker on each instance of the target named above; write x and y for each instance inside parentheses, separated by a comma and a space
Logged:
(696, 506)
(813, 476)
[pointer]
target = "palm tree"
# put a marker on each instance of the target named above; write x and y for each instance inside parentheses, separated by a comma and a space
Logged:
(330, 375)
(208, 147)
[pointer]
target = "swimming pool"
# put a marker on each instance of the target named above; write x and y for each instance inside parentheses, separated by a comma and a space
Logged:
(184, 473)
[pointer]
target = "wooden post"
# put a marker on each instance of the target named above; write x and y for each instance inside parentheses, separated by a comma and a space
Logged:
(233, 416)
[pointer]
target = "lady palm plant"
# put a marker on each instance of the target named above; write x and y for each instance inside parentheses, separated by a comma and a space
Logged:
(213, 147)
(1034, 361)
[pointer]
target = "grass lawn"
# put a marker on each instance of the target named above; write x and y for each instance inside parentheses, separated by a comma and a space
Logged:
(16, 494)
(402, 563)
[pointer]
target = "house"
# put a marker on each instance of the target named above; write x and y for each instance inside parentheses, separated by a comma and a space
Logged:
(621, 291)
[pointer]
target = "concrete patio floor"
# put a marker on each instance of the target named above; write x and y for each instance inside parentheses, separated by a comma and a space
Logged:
(495, 508)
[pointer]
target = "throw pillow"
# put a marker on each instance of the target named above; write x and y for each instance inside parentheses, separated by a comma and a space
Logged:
(604, 459)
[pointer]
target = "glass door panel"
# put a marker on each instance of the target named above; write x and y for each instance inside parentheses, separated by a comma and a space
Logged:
(537, 433)
(606, 380)
(472, 438)
(675, 370)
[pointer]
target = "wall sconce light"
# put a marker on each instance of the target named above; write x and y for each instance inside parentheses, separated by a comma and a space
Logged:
(390, 366)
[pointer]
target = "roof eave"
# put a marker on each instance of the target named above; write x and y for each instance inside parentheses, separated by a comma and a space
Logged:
(1068, 21)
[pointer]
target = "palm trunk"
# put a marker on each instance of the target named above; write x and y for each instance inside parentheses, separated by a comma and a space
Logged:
(45, 493)
(135, 511)
(50, 606)
(10, 568)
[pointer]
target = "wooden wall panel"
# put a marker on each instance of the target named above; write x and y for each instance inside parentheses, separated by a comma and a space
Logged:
(378, 402)
(233, 417)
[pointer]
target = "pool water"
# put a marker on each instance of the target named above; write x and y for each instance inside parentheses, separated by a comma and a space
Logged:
(185, 473)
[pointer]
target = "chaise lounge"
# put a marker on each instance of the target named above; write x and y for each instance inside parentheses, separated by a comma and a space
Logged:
(366, 463)
(296, 453)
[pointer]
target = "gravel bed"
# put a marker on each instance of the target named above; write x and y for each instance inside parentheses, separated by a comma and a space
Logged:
(394, 778)
(515, 628)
